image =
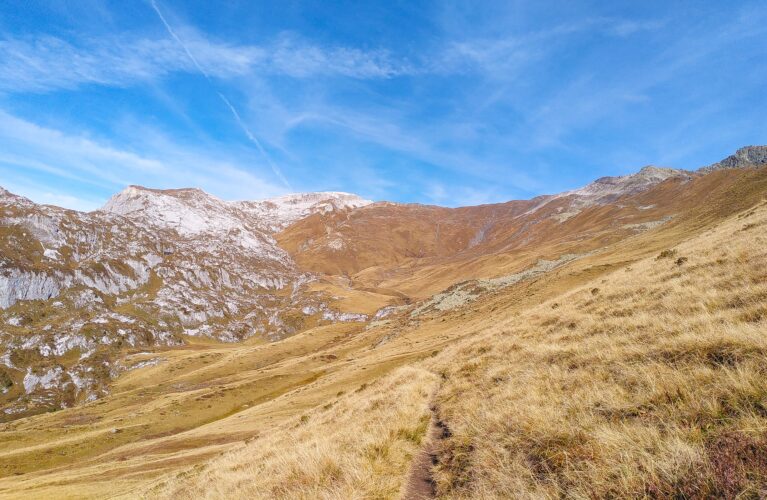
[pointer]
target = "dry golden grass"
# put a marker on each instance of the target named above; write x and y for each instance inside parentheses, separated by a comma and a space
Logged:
(359, 446)
(651, 382)
(590, 381)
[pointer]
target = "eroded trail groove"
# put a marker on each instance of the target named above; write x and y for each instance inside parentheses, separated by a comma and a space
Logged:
(420, 484)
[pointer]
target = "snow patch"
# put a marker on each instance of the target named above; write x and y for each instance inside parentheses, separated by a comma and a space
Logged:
(49, 379)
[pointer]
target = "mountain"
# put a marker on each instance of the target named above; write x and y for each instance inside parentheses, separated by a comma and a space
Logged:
(532, 348)
(147, 270)
(748, 156)
(276, 214)
(192, 211)
(385, 245)
(81, 293)
(608, 189)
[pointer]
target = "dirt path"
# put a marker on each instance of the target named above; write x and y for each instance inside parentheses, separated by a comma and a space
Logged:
(420, 484)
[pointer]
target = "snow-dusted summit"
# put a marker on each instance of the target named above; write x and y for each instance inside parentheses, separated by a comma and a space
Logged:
(278, 213)
(193, 211)
(188, 211)
(608, 189)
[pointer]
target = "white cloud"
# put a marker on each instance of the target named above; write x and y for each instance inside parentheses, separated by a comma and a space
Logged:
(45, 63)
(462, 196)
(398, 134)
(48, 63)
(506, 57)
(74, 154)
(32, 151)
(294, 57)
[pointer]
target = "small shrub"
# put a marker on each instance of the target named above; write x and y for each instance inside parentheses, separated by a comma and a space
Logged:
(666, 254)
(739, 463)
(5, 380)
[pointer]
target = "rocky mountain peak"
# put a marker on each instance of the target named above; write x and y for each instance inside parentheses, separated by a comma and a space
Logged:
(192, 211)
(189, 211)
(9, 198)
(613, 187)
(747, 156)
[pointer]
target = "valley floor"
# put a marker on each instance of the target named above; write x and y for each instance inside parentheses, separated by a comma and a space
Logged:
(636, 371)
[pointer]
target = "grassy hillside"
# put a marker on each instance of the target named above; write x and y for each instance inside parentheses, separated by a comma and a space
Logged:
(647, 382)
(634, 370)
(358, 445)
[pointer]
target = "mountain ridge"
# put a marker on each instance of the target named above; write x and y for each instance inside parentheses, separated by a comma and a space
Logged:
(752, 155)
(528, 345)
(155, 268)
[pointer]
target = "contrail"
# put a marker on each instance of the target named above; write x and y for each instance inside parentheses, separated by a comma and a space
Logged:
(229, 105)
(176, 37)
(254, 140)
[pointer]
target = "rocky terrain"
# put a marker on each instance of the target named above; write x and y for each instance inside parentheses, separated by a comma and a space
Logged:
(80, 293)
(172, 341)
(747, 156)
(148, 269)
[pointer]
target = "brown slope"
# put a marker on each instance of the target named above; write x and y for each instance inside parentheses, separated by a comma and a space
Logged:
(418, 250)
(189, 404)
(389, 234)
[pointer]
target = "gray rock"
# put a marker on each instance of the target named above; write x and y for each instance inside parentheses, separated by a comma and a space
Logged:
(748, 156)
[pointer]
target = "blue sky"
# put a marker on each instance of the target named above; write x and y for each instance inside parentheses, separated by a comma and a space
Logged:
(450, 103)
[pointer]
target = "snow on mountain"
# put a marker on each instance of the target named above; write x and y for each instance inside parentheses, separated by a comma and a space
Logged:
(8, 198)
(192, 211)
(146, 269)
(608, 189)
(276, 214)
(188, 211)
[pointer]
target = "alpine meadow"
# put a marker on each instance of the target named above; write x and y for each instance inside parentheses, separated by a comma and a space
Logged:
(401, 250)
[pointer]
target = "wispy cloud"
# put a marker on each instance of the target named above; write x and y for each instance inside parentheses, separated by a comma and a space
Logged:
(178, 40)
(291, 56)
(505, 56)
(462, 196)
(30, 150)
(251, 137)
(45, 63)
(397, 134)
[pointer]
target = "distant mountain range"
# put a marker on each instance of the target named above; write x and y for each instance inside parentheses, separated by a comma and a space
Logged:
(153, 268)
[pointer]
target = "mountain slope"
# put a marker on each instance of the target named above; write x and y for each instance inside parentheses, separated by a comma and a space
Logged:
(416, 251)
(278, 213)
(128, 341)
(610, 377)
(149, 269)
(635, 372)
(748, 156)
(649, 382)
